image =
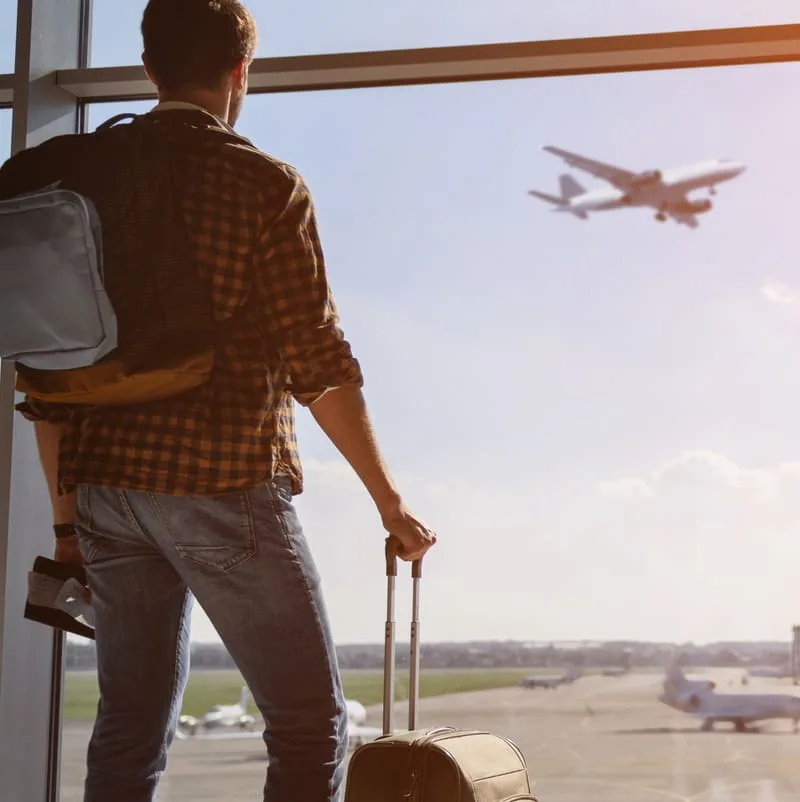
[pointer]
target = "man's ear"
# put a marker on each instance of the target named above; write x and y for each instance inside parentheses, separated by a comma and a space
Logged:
(147, 70)
(239, 74)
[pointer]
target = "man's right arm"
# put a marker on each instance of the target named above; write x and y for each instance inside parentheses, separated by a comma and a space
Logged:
(342, 415)
(300, 312)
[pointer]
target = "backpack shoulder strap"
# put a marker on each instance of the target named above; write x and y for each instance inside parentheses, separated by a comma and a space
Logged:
(116, 119)
(198, 119)
(188, 117)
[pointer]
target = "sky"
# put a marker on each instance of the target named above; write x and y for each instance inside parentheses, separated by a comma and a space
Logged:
(597, 417)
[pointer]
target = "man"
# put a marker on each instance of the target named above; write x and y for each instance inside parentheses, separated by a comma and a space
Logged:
(192, 495)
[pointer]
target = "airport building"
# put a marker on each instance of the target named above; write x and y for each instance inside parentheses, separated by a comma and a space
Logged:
(562, 238)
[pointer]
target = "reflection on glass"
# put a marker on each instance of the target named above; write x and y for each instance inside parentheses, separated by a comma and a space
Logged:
(595, 414)
(8, 34)
(288, 29)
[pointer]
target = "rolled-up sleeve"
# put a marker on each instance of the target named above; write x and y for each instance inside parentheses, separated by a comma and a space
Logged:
(33, 409)
(296, 300)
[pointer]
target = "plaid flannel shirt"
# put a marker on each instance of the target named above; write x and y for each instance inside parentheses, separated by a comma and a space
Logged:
(253, 226)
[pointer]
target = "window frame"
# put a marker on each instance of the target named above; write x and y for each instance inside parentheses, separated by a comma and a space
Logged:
(53, 44)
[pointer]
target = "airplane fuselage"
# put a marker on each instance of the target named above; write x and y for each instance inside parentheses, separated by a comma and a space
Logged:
(226, 716)
(740, 709)
(548, 681)
(542, 682)
(657, 189)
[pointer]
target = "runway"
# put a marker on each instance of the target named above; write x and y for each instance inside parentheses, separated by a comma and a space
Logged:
(601, 739)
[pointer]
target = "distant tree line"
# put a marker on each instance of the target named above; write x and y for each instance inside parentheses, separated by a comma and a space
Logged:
(504, 654)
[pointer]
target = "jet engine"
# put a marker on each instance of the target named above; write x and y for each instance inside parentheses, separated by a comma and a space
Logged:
(692, 206)
(687, 701)
(647, 177)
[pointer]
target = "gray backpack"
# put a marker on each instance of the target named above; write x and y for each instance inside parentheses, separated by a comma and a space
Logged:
(54, 311)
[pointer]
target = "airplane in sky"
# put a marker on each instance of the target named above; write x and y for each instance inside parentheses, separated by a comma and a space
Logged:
(666, 191)
(699, 698)
(233, 721)
(551, 682)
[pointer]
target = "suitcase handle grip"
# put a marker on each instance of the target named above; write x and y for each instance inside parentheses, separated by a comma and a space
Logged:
(392, 549)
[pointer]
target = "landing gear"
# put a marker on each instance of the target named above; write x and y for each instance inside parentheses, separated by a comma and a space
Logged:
(712, 191)
(661, 217)
(708, 725)
(739, 726)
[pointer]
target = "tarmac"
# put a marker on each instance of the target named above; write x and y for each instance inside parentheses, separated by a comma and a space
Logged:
(600, 739)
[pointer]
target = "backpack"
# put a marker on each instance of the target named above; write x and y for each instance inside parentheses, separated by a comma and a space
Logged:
(100, 299)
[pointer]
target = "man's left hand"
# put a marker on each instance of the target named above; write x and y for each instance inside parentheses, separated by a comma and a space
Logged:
(67, 551)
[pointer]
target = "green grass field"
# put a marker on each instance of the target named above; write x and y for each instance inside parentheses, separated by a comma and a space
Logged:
(207, 688)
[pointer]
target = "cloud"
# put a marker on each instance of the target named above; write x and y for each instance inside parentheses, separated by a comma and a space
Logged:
(706, 471)
(777, 293)
(700, 468)
(630, 487)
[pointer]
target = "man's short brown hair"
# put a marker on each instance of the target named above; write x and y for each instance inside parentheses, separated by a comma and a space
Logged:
(194, 43)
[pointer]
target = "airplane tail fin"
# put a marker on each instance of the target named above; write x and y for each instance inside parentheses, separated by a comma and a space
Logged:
(556, 201)
(674, 674)
(569, 187)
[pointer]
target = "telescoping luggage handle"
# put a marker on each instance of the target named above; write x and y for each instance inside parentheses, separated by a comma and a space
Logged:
(392, 547)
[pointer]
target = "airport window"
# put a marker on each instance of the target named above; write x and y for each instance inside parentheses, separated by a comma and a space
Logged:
(591, 406)
(8, 34)
(288, 29)
(5, 134)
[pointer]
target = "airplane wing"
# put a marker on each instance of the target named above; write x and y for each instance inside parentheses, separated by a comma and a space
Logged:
(617, 176)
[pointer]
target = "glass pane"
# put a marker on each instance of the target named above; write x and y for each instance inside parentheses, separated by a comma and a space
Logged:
(8, 34)
(287, 29)
(595, 414)
(5, 134)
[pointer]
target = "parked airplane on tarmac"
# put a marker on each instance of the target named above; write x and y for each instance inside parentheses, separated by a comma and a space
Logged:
(666, 191)
(233, 721)
(221, 716)
(768, 671)
(620, 671)
(551, 682)
(699, 698)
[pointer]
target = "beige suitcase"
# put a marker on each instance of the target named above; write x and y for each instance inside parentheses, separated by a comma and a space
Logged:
(440, 764)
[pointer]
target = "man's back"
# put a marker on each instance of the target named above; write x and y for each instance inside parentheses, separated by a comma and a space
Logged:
(277, 331)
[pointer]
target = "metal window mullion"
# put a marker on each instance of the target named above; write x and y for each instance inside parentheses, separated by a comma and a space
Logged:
(685, 49)
(31, 668)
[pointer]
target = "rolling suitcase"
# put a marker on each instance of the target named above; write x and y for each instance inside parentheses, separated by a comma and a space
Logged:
(440, 764)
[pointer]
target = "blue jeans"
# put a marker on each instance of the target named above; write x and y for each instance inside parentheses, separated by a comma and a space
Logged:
(244, 557)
